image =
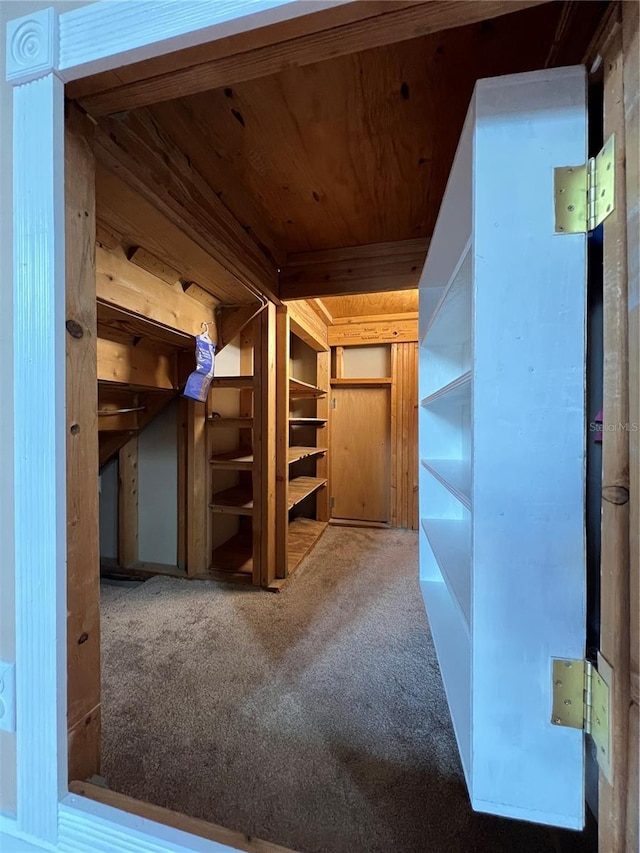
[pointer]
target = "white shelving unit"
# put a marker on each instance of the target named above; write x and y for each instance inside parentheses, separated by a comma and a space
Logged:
(501, 442)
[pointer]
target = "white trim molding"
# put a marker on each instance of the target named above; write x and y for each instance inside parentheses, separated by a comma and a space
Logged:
(45, 49)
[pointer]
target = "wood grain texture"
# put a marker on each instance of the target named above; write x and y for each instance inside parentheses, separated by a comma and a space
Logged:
(304, 158)
(123, 211)
(307, 325)
(372, 304)
(83, 550)
(406, 23)
(631, 83)
(135, 366)
(615, 574)
(201, 828)
(380, 331)
(128, 503)
(283, 351)
(264, 448)
(124, 285)
(323, 369)
(360, 453)
(197, 517)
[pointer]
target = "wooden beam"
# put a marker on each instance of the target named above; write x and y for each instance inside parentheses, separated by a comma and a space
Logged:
(126, 286)
(283, 353)
(264, 448)
(631, 86)
(308, 326)
(615, 575)
(374, 30)
(149, 161)
(357, 269)
(135, 366)
(83, 550)
(232, 319)
(128, 503)
(197, 512)
(118, 324)
(149, 262)
(323, 371)
(123, 211)
(176, 820)
(374, 331)
(321, 310)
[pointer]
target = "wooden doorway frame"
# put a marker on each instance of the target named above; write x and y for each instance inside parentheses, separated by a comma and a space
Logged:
(46, 50)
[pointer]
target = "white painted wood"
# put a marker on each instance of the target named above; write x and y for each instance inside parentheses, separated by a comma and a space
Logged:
(40, 453)
(107, 35)
(515, 450)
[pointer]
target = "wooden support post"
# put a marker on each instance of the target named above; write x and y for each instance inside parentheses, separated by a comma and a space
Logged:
(197, 513)
(264, 449)
(283, 348)
(339, 351)
(128, 503)
(615, 610)
(323, 362)
(83, 549)
(395, 409)
(181, 509)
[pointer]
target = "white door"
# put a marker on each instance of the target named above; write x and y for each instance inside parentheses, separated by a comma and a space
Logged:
(502, 444)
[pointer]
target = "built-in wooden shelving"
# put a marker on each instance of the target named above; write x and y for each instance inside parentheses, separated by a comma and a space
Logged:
(233, 460)
(238, 500)
(383, 380)
(298, 453)
(312, 422)
(301, 487)
(232, 561)
(232, 382)
(231, 423)
(297, 388)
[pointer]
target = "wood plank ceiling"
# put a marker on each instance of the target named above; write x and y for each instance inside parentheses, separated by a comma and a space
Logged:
(354, 150)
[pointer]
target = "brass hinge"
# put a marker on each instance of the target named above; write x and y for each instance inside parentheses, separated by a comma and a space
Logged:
(333, 402)
(581, 700)
(585, 195)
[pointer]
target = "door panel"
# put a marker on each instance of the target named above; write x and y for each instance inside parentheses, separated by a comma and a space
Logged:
(360, 454)
(502, 444)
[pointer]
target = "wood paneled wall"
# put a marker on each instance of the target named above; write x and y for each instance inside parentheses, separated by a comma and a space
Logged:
(404, 435)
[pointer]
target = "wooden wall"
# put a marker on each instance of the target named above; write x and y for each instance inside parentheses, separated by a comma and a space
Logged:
(404, 435)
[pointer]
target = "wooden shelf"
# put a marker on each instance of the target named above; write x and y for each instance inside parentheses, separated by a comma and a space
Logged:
(231, 423)
(311, 422)
(303, 535)
(456, 391)
(301, 487)
(233, 460)
(231, 559)
(234, 501)
(297, 388)
(450, 541)
(454, 474)
(298, 453)
(232, 382)
(360, 382)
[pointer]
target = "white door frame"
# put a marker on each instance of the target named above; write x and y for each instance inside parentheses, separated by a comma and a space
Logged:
(45, 50)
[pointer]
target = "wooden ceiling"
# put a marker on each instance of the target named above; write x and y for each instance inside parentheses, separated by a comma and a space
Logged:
(351, 151)
(371, 304)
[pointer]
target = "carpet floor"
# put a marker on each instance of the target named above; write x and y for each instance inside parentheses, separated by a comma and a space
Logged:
(315, 718)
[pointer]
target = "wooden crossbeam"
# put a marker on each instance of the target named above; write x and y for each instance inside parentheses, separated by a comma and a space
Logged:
(277, 51)
(356, 269)
(135, 366)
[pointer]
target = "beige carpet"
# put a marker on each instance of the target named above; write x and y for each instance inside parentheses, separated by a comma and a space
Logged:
(315, 718)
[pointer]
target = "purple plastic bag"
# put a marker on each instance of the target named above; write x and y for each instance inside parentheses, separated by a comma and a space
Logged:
(198, 383)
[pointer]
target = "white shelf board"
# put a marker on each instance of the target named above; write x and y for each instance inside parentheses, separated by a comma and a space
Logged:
(453, 648)
(457, 391)
(450, 323)
(454, 474)
(450, 541)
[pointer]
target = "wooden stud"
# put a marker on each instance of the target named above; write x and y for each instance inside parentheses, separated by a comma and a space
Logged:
(197, 516)
(181, 508)
(339, 362)
(631, 85)
(321, 310)
(283, 349)
(264, 448)
(146, 261)
(323, 369)
(395, 410)
(128, 503)
(83, 550)
(615, 610)
(232, 319)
